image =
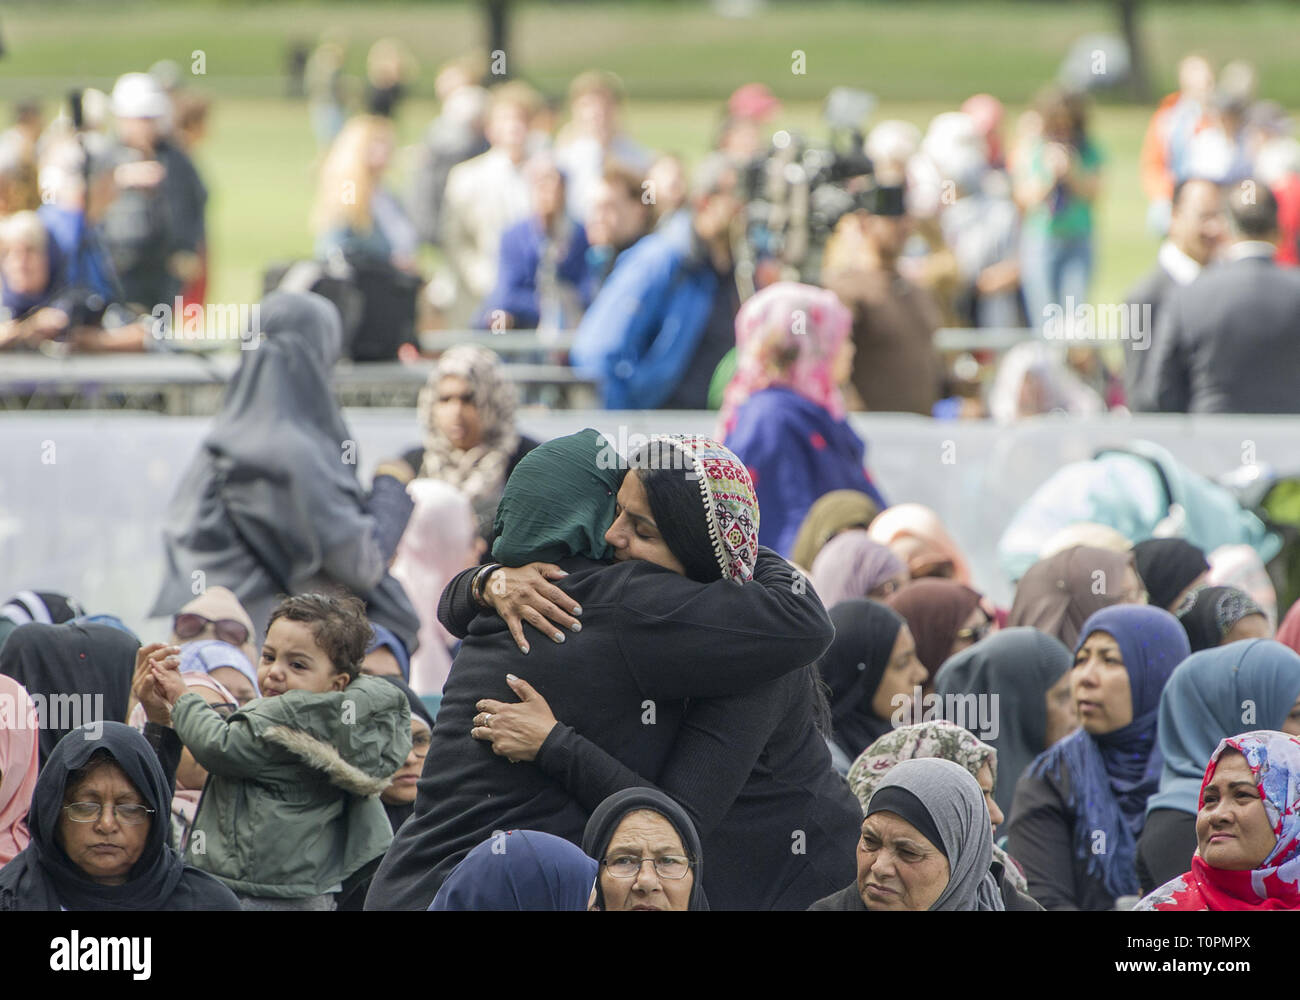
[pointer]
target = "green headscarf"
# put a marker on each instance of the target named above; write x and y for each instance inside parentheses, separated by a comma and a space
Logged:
(559, 501)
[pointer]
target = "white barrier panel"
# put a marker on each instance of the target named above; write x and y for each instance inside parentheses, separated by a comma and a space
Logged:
(82, 495)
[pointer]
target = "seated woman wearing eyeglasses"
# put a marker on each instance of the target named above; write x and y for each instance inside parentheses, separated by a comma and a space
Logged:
(98, 825)
(636, 826)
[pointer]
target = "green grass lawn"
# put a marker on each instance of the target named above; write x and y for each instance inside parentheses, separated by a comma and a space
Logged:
(679, 61)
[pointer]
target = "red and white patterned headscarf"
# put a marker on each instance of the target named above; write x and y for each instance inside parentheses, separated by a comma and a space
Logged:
(729, 501)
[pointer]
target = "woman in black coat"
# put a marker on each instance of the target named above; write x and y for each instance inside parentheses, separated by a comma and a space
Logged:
(752, 769)
(652, 634)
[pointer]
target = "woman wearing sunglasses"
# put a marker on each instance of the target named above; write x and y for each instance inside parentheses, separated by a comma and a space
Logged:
(98, 826)
(215, 614)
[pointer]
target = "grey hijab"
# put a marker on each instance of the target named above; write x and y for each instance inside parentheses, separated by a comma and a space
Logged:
(272, 503)
(955, 805)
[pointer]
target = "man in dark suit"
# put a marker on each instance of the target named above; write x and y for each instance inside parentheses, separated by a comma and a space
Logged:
(1197, 229)
(1230, 341)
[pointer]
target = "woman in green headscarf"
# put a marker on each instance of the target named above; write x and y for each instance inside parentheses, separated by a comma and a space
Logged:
(647, 626)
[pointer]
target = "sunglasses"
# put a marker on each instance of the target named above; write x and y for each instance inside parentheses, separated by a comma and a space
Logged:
(187, 625)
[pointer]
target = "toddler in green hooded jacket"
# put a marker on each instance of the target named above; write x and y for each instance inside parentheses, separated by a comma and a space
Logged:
(291, 806)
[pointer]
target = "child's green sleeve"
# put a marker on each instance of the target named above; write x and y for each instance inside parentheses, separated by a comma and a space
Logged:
(230, 749)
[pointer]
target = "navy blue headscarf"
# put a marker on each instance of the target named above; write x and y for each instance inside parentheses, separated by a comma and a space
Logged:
(1111, 776)
(519, 870)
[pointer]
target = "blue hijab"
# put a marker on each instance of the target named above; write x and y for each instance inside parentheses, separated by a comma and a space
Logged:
(1214, 694)
(519, 870)
(1111, 776)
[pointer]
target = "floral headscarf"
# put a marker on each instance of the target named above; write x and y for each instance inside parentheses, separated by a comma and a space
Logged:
(729, 500)
(1274, 760)
(479, 472)
(942, 739)
(788, 335)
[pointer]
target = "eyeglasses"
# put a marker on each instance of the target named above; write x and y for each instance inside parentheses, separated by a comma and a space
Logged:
(974, 634)
(127, 814)
(670, 866)
(187, 625)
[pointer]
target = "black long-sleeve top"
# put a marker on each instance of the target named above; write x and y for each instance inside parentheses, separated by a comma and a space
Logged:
(650, 639)
(1165, 848)
(756, 778)
(1041, 838)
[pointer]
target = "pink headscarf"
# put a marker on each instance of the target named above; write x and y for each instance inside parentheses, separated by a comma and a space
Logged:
(438, 543)
(788, 335)
(19, 762)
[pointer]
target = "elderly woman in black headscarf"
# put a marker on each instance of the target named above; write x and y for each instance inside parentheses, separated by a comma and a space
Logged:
(272, 505)
(79, 672)
(927, 844)
(467, 410)
(99, 828)
(648, 852)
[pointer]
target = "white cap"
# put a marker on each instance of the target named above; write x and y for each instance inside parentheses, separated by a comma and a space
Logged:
(137, 95)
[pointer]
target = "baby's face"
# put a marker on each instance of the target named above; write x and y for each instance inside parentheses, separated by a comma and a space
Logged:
(292, 661)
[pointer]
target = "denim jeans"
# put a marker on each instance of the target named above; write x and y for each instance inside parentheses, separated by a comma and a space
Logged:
(1052, 269)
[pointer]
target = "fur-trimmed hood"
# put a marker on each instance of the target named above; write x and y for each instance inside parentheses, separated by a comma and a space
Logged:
(323, 757)
(358, 737)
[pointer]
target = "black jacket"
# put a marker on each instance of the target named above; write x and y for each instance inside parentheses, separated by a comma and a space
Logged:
(650, 638)
(1229, 342)
(1165, 847)
(1152, 291)
(1041, 839)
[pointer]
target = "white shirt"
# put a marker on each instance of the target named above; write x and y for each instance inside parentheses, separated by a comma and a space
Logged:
(1177, 264)
(485, 195)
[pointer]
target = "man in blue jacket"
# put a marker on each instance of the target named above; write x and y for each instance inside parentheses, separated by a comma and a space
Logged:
(666, 315)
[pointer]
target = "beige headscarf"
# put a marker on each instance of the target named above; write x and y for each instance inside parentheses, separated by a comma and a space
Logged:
(478, 472)
(916, 521)
(217, 603)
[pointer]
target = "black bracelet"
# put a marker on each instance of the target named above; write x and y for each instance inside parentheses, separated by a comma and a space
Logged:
(479, 583)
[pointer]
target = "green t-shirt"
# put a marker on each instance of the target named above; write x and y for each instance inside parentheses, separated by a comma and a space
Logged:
(1063, 214)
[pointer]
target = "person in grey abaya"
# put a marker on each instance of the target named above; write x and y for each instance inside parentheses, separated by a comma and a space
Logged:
(272, 505)
(943, 804)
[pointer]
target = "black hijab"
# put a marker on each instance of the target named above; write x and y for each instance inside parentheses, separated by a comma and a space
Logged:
(1208, 614)
(43, 877)
(397, 815)
(93, 664)
(865, 632)
(609, 814)
(279, 468)
(1167, 566)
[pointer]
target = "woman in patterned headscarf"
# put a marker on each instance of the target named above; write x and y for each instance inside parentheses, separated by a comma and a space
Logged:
(467, 410)
(1216, 616)
(681, 593)
(750, 766)
(949, 742)
(1248, 838)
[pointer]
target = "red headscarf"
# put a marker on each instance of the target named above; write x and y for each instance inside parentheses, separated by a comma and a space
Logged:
(1274, 760)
